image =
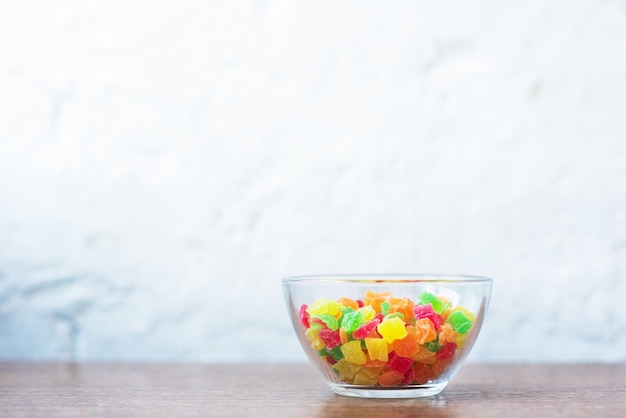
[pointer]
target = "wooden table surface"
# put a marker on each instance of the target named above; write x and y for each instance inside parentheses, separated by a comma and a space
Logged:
(296, 390)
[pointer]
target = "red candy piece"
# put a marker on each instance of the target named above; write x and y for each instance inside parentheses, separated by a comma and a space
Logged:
(331, 360)
(447, 351)
(439, 366)
(304, 316)
(423, 311)
(365, 330)
(380, 317)
(423, 373)
(399, 364)
(438, 321)
(426, 311)
(360, 303)
(409, 376)
(330, 338)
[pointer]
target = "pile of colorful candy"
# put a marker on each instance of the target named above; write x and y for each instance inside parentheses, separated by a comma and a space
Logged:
(384, 340)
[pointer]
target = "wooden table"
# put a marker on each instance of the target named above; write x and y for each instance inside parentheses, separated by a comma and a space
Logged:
(295, 390)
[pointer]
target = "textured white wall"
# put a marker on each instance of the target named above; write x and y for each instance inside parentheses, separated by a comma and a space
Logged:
(164, 164)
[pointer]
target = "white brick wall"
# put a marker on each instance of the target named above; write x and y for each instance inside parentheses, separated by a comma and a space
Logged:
(163, 165)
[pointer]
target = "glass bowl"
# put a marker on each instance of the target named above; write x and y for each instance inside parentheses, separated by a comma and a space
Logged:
(387, 335)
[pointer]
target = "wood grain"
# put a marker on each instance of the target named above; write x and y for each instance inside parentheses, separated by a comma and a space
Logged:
(295, 390)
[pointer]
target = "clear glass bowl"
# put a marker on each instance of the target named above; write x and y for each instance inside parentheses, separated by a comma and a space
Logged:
(387, 335)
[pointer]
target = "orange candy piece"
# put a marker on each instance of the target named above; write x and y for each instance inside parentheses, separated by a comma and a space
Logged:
(348, 302)
(446, 334)
(403, 306)
(390, 378)
(343, 335)
(409, 345)
(425, 356)
(373, 364)
(375, 299)
(425, 330)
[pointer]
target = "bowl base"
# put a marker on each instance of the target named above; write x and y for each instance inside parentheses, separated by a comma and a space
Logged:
(410, 391)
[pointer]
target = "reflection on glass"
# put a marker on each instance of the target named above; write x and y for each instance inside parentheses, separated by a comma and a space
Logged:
(370, 408)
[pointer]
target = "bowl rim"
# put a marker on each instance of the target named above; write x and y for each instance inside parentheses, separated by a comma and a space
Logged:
(387, 278)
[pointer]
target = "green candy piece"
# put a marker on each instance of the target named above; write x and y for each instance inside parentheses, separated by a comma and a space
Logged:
(385, 308)
(335, 353)
(438, 305)
(329, 320)
(315, 326)
(459, 322)
(433, 346)
(344, 311)
(352, 320)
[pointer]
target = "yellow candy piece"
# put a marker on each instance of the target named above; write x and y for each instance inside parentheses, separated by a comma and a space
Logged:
(353, 352)
(368, 313)
(366, 376)
(392, 329)
(325, 306)
(314, 339)
(372, 372)
(377, 349)
(460, 340)
(346, 369)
